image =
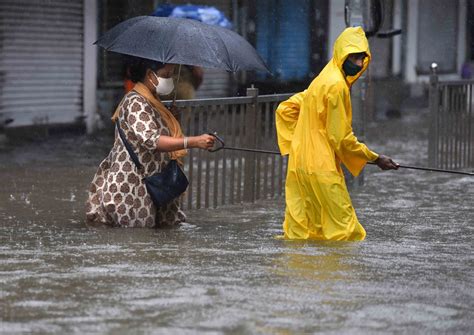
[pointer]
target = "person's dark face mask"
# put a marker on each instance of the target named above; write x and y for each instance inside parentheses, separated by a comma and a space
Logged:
(351, 69)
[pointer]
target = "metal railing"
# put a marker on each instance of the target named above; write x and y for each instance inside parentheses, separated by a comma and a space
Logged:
(451, 141)
(229, 177)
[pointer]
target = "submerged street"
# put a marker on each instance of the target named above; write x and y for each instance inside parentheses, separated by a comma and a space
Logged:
(224, 271)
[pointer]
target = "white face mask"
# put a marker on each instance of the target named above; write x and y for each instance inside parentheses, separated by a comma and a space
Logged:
(165, 85)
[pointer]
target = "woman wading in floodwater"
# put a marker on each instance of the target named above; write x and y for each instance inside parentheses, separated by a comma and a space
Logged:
(117, 195)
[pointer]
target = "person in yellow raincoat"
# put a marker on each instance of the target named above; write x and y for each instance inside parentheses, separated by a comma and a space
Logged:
(314, 128)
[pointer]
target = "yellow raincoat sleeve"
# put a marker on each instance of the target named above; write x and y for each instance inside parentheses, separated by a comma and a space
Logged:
(287, 115)
(353, 154)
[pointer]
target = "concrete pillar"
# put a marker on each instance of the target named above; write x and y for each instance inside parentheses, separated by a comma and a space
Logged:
(90, 66)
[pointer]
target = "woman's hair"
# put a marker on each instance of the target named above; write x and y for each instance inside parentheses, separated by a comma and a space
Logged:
(136, 67)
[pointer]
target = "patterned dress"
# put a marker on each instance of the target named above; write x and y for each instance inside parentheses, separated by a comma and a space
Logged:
(117, 195)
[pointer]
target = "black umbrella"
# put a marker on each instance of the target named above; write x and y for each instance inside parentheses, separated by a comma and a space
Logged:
(182, 41)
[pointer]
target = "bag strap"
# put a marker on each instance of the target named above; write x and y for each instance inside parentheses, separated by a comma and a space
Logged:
(128, 146)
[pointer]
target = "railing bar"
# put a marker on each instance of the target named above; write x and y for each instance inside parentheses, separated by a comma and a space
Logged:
(208, 163)
(440, 127)
(232, 155)
(272, 181)
(223, 110)
(185, 126)
(465, 121)
(190, 132)
(281, 161)
(470, 139)
(436, 133)
(280, 178)
(217, 121)
(448, 126)
(458, 127)
(200, 160)
(240, 169)
(433, 133)
(454, 129)
(466, 125)
(462, 99)
(258, 125)
(444, 146)
(461, 126)
(274, 163)
(184, 122)
(267, 137)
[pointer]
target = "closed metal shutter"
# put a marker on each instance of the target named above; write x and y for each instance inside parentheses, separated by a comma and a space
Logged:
(41, 61)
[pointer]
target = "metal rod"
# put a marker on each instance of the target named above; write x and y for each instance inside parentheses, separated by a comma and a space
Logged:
(372, 163)
(252, 150)
(431, 169)
(176, 89)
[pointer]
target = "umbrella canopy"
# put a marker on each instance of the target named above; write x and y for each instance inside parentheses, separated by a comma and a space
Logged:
(182, 41)
(206, 14)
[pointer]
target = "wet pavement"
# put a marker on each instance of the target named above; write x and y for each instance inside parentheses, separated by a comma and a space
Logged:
(223, 271)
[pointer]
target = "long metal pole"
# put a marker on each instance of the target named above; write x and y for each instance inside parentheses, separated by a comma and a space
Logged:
(372, 163)
(432, 169)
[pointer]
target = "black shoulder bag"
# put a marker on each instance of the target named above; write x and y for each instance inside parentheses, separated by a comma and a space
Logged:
(163, 186)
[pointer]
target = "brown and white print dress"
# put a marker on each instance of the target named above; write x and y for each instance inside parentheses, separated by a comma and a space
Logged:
(117, 195)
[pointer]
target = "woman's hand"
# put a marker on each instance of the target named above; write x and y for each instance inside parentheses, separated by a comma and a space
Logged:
(203, 141)
(386, 163)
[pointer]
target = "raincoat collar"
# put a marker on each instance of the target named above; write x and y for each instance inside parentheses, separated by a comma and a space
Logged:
(351, 40)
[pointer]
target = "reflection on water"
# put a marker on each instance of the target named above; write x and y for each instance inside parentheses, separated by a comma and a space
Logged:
(224, 272)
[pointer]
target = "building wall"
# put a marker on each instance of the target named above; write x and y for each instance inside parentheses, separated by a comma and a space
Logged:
(89, 103)
(336, 23)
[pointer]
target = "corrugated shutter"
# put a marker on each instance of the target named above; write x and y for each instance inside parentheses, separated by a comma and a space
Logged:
(41, 61)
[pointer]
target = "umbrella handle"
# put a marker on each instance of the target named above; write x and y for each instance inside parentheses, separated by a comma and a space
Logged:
(176, 88)
(220, 143)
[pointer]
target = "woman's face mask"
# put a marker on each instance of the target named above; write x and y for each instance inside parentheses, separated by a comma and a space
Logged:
(165, 85)
(351, 69)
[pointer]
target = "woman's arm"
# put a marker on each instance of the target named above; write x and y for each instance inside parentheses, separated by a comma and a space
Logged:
(168, 143)
(148, 130)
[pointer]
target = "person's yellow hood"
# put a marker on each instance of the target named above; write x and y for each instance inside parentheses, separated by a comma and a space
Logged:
(351, 40)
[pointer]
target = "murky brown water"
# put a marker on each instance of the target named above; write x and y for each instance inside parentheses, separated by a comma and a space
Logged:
(224, 272)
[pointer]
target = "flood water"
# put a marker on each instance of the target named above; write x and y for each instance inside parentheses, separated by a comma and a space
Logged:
(223, 271)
